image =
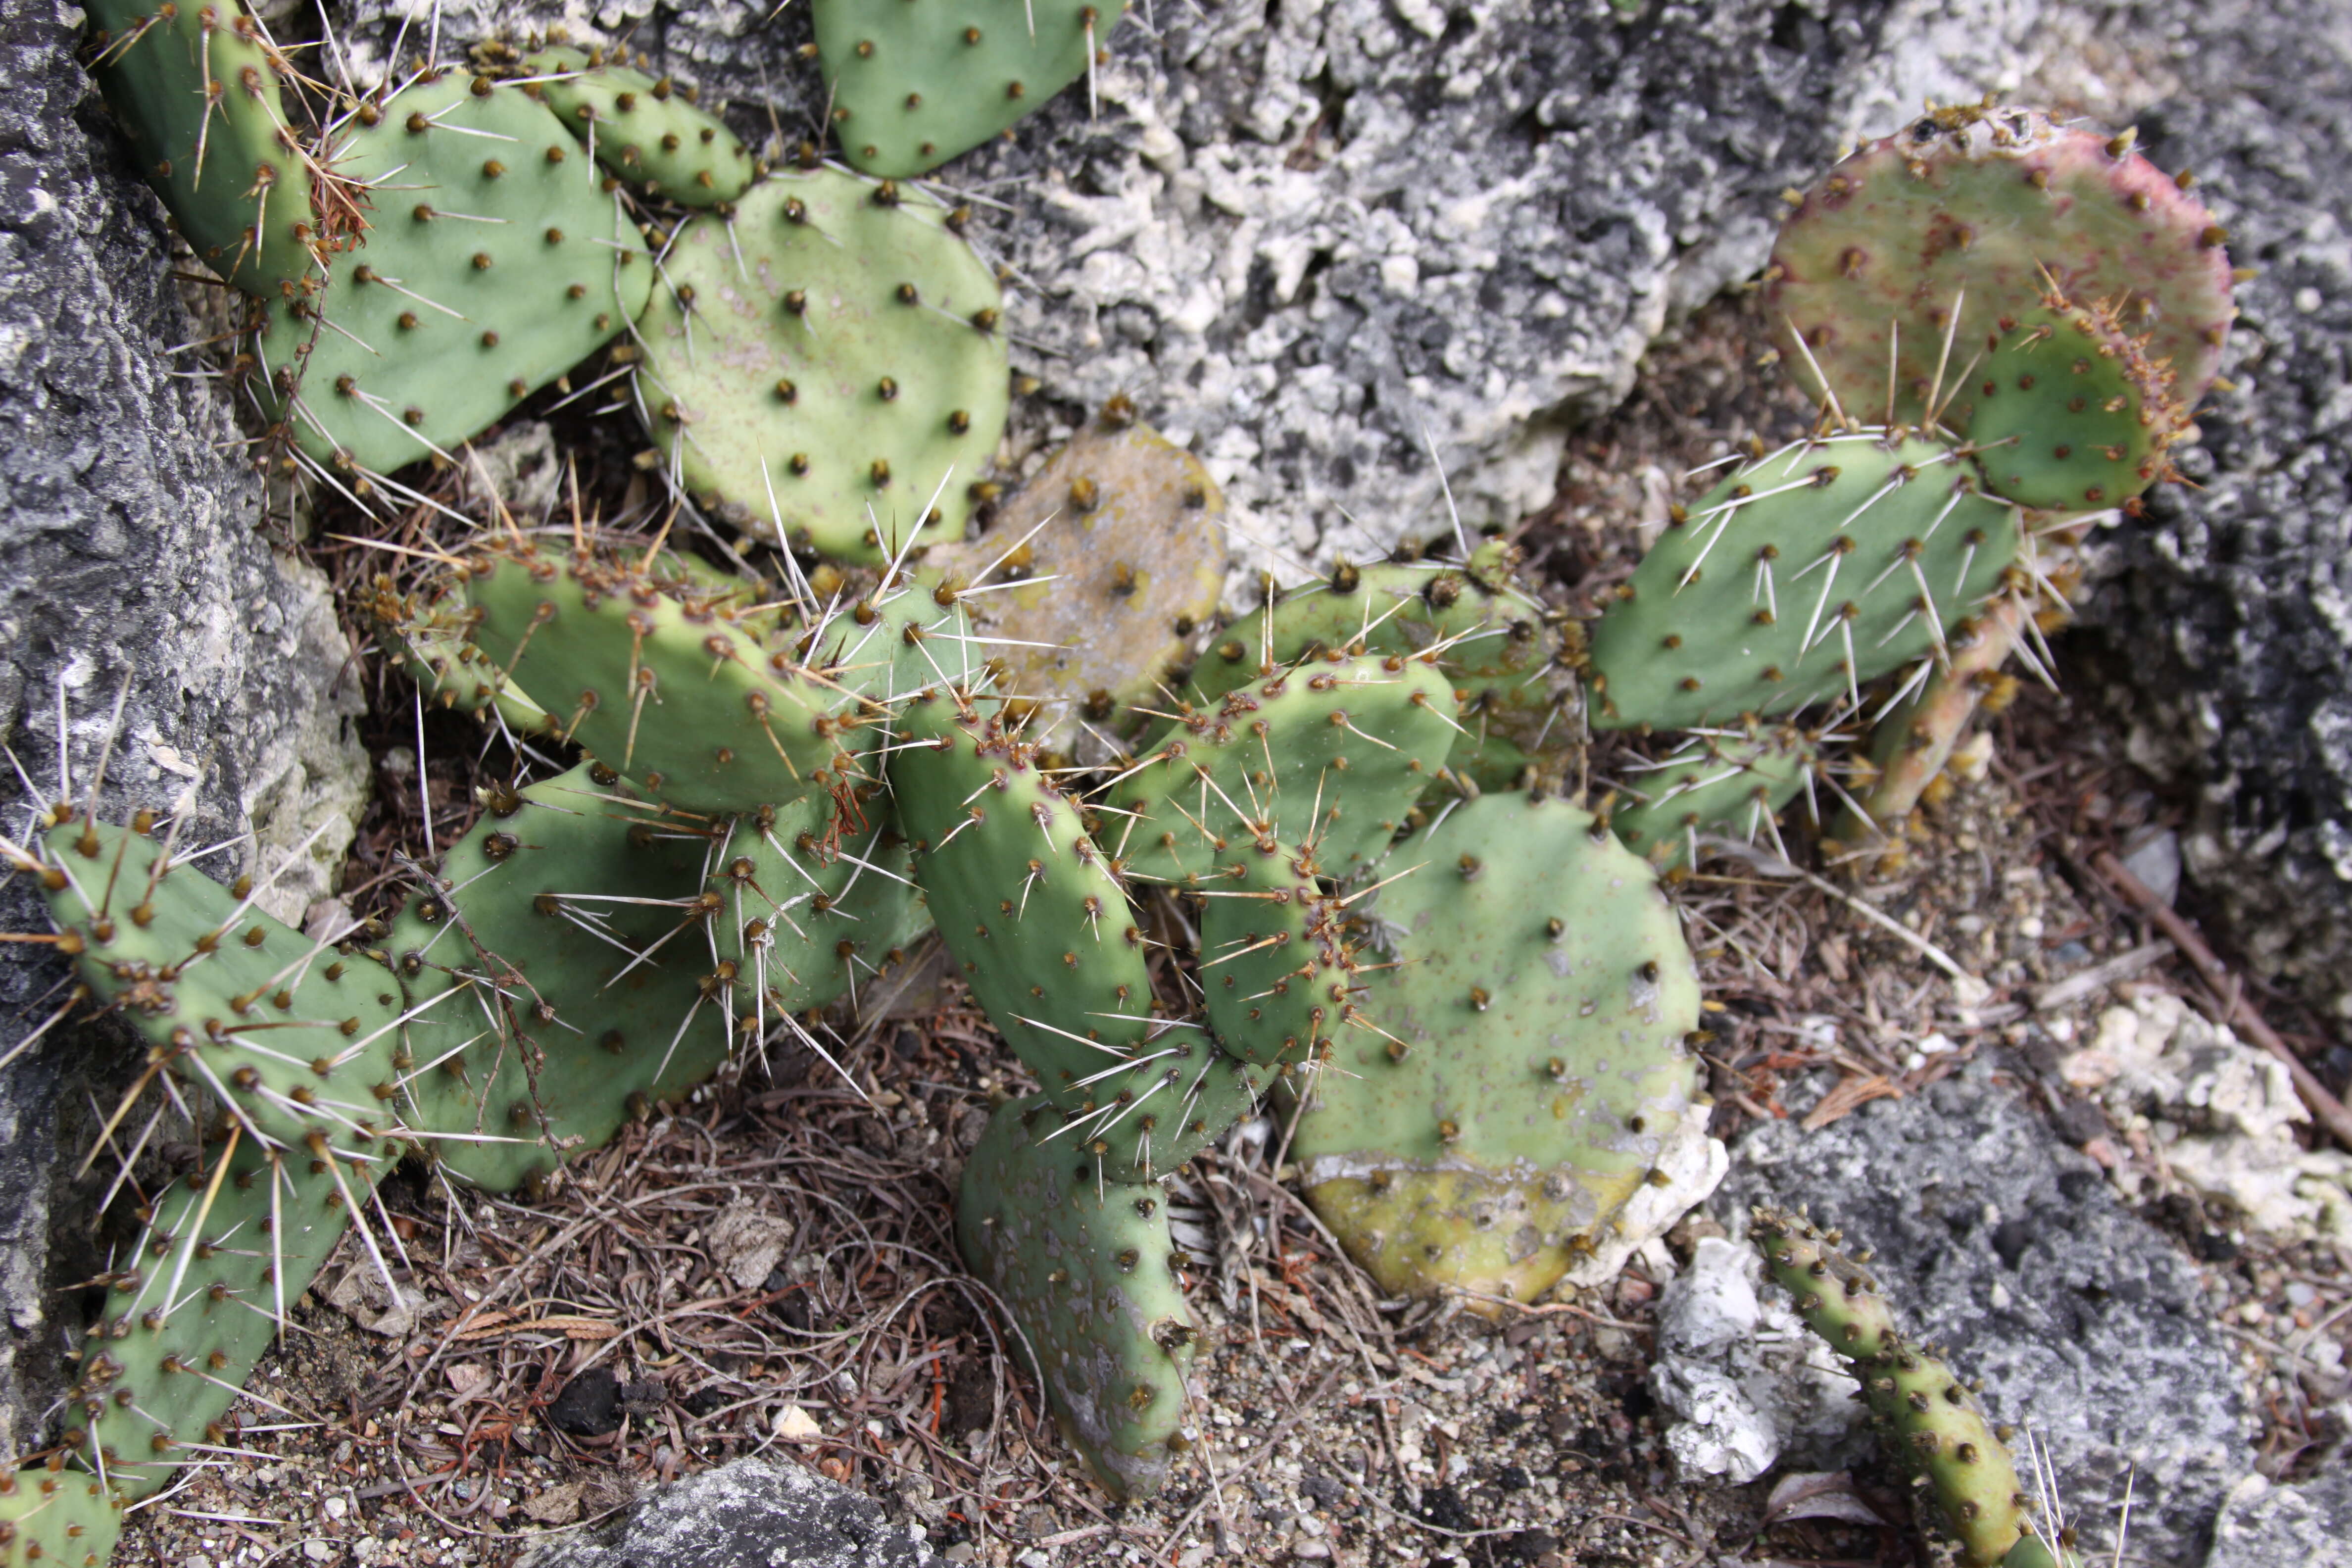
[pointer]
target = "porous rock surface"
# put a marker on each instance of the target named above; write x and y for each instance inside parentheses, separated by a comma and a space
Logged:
(127, 554)
(2231, 606)
(753, 1513)
(2011, 1254)
(2306, 1525)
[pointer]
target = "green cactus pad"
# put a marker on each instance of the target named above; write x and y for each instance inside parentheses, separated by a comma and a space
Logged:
(549, 1028)
(1329, 756)
(159, 1371)
(1926, 1421)
(826, 363)
(1117, 545)
(493, 263)
(57, 1519)
(1277, 971)
(430, 640)
(1807, 573)
(1141, 1121)
(1023, 899)
(2070, 415)
(1731, 781)
(657, 679)
(815, 895)
(1088, 1276)
(1985, 208)
(190, 78)
(1529, 1061)
(914, 86)
(1503, 657)
(292, 1037)
(648, 133)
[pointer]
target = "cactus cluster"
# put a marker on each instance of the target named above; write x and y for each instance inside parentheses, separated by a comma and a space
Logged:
(1335, 849)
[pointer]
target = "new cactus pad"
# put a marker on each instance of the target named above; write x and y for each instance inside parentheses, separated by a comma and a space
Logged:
(1530, 1058)
(648, 131)
(1087, 1275)
(1806, 574)
(1927, 1422)
(825, 367)
(913, 85)
(195, 87)
(2070, 415)
(1115, 550)
(1978, 211)
(1277, 971)
(1731, 781)
(493, 262)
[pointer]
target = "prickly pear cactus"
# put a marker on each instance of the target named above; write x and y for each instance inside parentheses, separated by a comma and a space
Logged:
(825, 367)
(1978, 211)
(648, 131)
(430, 640)
(2069, 414)
(57, 1519)
(1498, 650)
(1328, 756)
(1087, 1273)
(913, 85)
(295, 1041)
(1724, 781)
(1809, 573)
(555, 988)
(493, 263)
(195, 87)
(1529, 1063)
(1115, 553)
(1277, 969)
(1925, 1420)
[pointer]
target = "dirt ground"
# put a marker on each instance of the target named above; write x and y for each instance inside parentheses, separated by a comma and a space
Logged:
(768, 1267)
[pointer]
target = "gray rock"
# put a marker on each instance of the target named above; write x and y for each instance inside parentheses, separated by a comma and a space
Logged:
(129, 560)
(2230, 611)
(749, 1514)
(2010, 1252)
(2307, 1525)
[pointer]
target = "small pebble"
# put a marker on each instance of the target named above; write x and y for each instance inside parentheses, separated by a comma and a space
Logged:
(2307, 300)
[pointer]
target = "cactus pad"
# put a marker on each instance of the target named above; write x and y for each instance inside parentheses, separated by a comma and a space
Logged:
(1533, 1063)
(1276, 970)
(1124, 556)
(2070, 415)
(826, 361)
(1023, 899)
(1729, 782)
(195, 89)
(1088, 1276)
(1329, 756)
(294, 1039)
(493, 264)
(655, 678)
(648, 133)
(1926, 1421)
(1979, 206)
(189, 1309)
(566, 943)
(57, 1519)
(1500, 654)
(1806, 574)
(813, 894)
(913, 85)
